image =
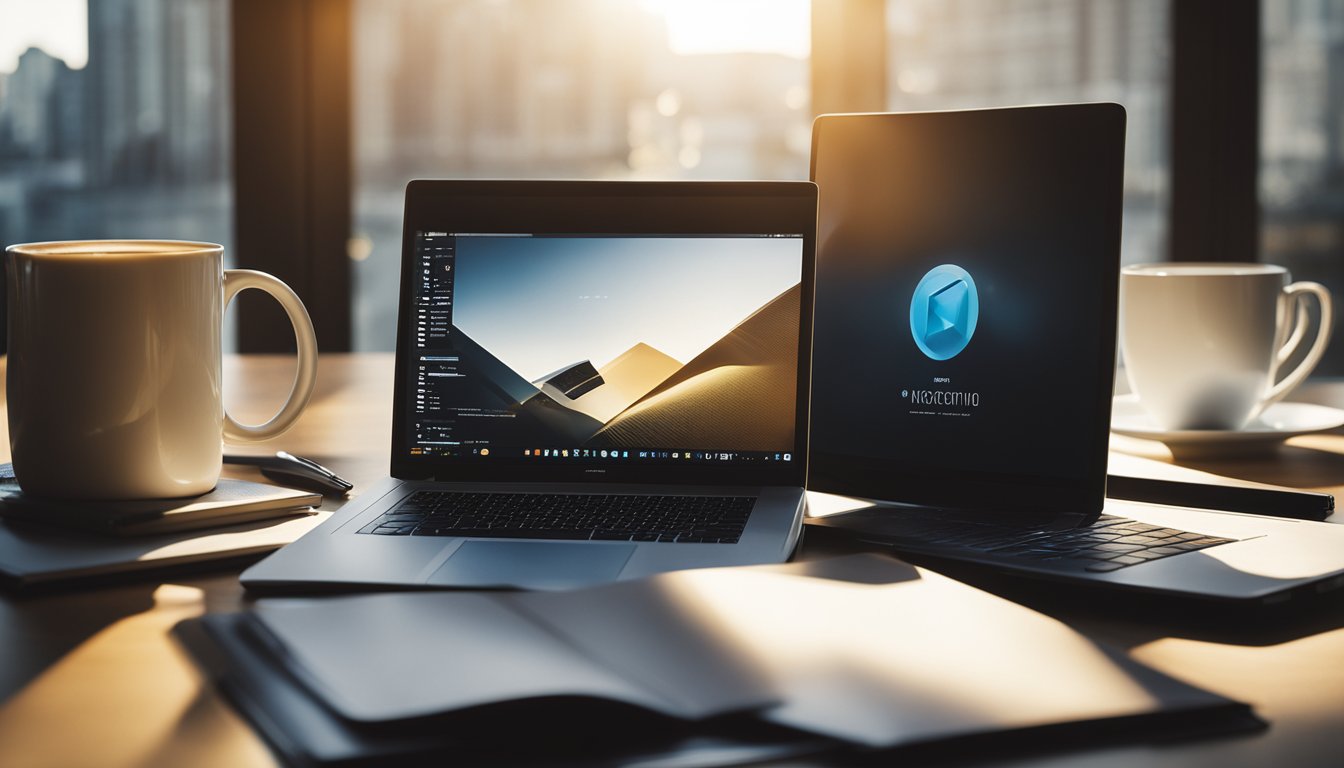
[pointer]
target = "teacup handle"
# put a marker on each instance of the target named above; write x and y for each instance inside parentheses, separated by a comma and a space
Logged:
(239, 280)
(1295, 293)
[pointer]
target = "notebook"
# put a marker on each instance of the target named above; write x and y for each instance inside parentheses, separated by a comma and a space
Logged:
(594, 381)
(861, 652)
(230, 503)
(967, 279)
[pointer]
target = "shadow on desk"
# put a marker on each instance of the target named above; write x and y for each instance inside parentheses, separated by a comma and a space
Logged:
(1297, 466)
(46, 630)
(41, 626)
(1130, 619)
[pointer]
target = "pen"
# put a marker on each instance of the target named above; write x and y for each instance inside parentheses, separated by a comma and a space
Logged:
(1300, 505)
(285, 467)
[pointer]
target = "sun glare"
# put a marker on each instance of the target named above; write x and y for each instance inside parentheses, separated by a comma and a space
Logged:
(59, 27)
(733, 26)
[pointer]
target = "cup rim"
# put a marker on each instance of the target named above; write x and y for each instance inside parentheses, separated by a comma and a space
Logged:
(55, 249)
(1203, 269)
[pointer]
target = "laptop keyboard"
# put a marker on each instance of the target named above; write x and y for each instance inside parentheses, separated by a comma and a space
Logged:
(1109, 544)
(597, 517)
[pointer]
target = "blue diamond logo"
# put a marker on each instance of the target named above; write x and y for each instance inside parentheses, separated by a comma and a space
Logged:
(943, 311)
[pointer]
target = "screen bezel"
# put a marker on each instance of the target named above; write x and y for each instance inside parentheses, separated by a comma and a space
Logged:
(605, 208)
(1021, 494)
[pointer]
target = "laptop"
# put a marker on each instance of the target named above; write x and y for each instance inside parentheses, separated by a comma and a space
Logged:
(594, 381)
(967, 275)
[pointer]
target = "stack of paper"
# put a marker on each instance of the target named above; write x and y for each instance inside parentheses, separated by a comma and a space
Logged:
(45, 542)
(231, 502)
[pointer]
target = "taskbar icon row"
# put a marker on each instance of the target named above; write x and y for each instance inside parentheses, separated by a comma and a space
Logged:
(458, 450)
(637, 454)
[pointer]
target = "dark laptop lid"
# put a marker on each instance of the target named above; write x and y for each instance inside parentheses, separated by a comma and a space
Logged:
(651, 332)
(967, 274)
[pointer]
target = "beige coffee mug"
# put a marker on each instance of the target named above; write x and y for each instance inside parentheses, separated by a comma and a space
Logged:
(114, 368)
(1204, 344)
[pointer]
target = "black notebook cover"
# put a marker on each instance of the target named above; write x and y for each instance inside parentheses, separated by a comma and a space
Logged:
(897, 656)
(304, 732)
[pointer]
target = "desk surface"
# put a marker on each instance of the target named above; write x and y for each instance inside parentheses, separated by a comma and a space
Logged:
(92, 678)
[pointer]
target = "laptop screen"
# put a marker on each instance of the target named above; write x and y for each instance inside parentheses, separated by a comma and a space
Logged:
(602, 349)
(965, 309)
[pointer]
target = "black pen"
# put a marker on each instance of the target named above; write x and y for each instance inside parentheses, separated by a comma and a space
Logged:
(285, 467)
(1286, 502)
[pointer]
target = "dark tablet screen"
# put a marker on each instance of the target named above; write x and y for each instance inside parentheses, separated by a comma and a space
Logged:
(965, 312)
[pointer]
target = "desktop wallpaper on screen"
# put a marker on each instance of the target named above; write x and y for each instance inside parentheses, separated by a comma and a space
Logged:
(607, 342)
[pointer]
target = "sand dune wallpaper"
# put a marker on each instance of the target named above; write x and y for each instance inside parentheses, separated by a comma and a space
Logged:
(631, 342)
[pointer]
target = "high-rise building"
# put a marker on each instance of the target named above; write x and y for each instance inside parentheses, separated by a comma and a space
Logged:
(157, 91)
(1301, 173)
(40, 108)
(1302, 114)
(506, 88)
(538, 88)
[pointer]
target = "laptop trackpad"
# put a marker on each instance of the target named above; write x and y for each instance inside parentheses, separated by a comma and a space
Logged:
(532, 564)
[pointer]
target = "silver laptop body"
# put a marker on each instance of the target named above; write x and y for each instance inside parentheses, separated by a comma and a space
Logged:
(630, 347)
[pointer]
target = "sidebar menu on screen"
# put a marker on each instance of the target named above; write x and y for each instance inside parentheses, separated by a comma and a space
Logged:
(436, 364)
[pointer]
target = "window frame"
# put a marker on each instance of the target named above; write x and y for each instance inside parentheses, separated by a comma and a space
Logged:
(292, 164)
(1215, 131)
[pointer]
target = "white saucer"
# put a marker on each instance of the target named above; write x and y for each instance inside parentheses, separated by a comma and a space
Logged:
(1278, 423)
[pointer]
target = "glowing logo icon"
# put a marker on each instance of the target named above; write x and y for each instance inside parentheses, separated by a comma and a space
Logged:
(943, 311)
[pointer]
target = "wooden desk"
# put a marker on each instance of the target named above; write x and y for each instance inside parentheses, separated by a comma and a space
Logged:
(92, 678)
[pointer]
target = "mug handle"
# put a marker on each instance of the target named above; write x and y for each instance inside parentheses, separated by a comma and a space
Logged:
(1296, 293)
(239, 280)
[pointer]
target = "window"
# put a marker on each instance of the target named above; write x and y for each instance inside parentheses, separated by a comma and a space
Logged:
(116, 116)
(950, 54)
(115, 120)
(600, 89)
(1302, 144)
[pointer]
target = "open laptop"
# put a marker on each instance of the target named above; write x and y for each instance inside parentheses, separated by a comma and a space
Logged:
(594, 381)
(964, 359)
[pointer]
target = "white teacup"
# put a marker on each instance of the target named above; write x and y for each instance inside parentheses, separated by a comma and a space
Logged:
(1204, 343)
(114, 367)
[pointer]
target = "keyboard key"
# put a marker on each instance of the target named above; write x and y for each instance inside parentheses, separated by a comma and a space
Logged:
(1137, 527)
(1147, 554)
(1116, 546)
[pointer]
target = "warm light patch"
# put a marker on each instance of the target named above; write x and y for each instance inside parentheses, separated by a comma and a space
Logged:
(359, 247)
(732, 26)
(178, 596)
